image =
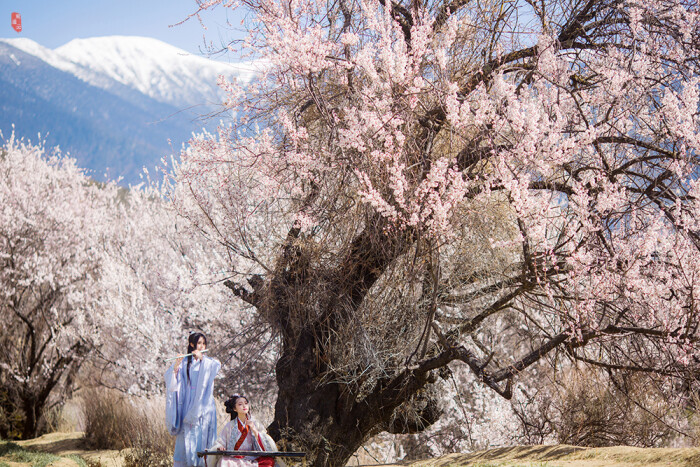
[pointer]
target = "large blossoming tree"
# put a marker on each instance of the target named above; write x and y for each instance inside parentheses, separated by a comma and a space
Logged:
(418, 184)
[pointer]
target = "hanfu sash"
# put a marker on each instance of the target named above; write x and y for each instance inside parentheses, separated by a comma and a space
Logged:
(244, 433)
(262, 461)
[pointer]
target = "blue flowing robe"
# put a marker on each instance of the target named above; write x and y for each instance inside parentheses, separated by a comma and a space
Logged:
(190, 412)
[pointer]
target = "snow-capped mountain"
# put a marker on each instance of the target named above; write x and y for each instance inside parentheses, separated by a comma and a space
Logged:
(159, 70)
(49, 56)
(114, 103)
(152, 67)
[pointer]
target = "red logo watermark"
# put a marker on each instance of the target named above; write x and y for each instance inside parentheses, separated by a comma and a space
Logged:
(17, 22)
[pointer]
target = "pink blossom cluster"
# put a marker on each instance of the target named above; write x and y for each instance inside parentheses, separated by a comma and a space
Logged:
(566, 151)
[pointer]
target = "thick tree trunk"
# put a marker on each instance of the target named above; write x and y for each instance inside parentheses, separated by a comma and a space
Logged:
(328, 423)
(32, 411)
(314, 418)
(325, 419)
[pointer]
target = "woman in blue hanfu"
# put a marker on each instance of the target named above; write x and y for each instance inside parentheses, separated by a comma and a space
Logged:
(243, 433)
(190, 412)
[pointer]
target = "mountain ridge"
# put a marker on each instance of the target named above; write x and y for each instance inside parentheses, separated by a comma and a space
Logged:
(71, 95)
(159, 70)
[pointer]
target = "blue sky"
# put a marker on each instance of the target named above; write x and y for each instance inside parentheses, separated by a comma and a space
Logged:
(52, 23)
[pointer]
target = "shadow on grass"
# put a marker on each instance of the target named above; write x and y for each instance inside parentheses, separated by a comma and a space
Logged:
(15, 453)
(59, 446)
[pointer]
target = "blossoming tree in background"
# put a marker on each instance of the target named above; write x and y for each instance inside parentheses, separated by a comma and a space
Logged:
(162, 282)
(93, 273)
(52, 222)
(418, 184)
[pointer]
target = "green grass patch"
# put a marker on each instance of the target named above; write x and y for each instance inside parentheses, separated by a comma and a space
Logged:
(16, 453)
(78, 460)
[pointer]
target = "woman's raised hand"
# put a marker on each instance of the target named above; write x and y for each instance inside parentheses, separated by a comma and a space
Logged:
(197, 354)
(177, 364)
(251, 427)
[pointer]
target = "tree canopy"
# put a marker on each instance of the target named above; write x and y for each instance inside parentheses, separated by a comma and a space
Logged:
(416, 184)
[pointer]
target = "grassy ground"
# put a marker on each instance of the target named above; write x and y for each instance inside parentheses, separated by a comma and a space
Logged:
(56, 450)
(66, 450)
(14, 455)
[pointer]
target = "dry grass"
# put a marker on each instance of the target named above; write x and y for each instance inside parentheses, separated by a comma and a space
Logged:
(595, 413)
(114, 421)
(587, 407)
(569, 456)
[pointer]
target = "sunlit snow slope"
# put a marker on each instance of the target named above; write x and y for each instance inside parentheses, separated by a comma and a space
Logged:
(157, 69)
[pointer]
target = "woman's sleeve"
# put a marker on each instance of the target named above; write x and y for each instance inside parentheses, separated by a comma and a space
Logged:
(266, 443)
(222, 440)
(172, 379)
(172, 400)
(260, 441)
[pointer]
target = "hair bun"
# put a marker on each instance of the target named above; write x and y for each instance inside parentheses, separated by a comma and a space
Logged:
(230, 404)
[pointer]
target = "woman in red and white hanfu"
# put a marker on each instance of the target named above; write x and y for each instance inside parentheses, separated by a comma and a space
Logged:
(244, 434)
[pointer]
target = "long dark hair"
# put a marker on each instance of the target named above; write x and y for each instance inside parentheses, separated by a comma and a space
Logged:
(230, 405)
(191, 347)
